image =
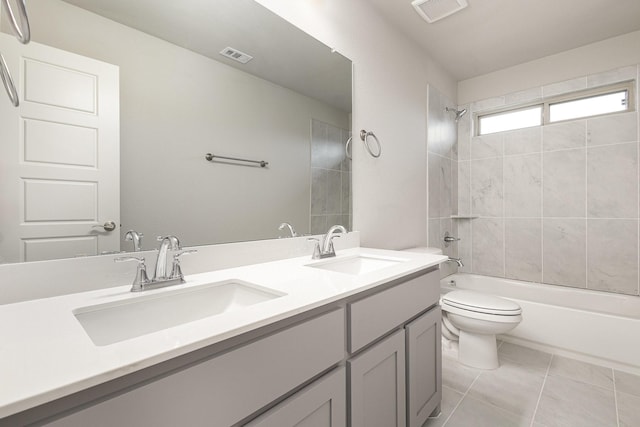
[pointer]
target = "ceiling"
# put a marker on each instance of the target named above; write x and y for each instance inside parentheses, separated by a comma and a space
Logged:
(283, 54)
(490, 35)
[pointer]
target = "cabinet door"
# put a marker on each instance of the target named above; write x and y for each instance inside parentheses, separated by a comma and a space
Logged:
(424, 366)
(377, 379)
(321, 404)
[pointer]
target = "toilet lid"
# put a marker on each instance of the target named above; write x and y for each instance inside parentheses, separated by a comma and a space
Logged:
(483, 303)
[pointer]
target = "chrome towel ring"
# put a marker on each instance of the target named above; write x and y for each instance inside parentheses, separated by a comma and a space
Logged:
(8, 82)
(346, 148)
(364, 136)
(22, 30)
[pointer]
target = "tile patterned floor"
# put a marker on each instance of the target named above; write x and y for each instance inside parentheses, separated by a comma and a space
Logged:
(536, 389)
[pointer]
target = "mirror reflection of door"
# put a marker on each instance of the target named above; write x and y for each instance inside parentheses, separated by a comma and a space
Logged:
(59, 155)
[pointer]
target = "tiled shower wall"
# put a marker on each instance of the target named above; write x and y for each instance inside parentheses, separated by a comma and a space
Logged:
(330, 178)
(557, 204)
(442, 174)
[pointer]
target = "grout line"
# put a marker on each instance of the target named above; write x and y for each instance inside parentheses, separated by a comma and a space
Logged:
(615, 396)
(586, 207)
(541, 389)
(504, 222)
(461, 399)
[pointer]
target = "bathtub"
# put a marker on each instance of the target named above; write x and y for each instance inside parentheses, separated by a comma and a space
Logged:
(596, 327)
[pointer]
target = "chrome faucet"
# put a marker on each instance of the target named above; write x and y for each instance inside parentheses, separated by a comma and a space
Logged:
(136, 238)
(456, 260)
(290, 227)
(325, 248)
(160, 278)
(166, 243)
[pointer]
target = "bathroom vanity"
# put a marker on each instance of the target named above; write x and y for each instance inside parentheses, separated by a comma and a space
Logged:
(351, 340)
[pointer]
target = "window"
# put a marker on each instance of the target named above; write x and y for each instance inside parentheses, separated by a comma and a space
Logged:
(592, 102)
(510, 120)
(590, 106)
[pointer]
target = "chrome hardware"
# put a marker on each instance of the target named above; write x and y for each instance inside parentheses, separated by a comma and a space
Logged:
(346, 148)
(210, 158)
(22, 34)
(448, 238)
(325, 249)
(456, 260)
(166, 243)
(8, 82)
(107, 226)
(136, 238)
(290, 227)
(316, 248)
(176, 270)
(364, 136)
(160, 279)
(141, 280)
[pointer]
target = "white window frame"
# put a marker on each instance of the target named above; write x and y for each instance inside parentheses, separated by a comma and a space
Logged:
(628, 86)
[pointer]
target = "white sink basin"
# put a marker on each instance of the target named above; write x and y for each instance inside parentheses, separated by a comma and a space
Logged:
(358, 264)
(118, 321)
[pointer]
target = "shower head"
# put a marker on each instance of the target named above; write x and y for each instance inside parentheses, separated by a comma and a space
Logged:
(459, 113)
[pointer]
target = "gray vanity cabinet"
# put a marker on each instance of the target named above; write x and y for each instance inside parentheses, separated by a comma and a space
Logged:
(370, 360)
(321, 404)
(378, 384)
(424, 367)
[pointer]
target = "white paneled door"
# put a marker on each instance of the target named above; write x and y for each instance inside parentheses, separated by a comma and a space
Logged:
(59, 155)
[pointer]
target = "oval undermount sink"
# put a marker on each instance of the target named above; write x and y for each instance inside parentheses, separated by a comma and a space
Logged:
(121, 320)
(358, 264)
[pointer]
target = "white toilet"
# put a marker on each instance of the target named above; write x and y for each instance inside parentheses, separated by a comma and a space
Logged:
(474, 319)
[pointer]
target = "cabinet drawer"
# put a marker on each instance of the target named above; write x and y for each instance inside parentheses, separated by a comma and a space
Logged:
(378, 314)
(221, 391)
(323, 403)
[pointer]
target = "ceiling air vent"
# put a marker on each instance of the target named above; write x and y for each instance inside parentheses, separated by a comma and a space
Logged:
(236, 55)
(435, 10)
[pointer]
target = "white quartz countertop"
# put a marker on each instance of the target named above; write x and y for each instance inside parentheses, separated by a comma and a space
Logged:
(46, 354)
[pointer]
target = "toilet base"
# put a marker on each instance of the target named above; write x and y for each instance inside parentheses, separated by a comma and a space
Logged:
(478, 350)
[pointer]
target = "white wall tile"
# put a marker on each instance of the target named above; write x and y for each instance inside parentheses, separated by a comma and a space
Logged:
(523, 249)
(564, 256)
(612, 256)
(612, 129)
(523, 141)
(523, 96)
(434, 171)
(564, 87)
(565, 135)
(613, 76)
(487, 146)
(486, 187)
(564, 183)
(487, 104)
(488, 246)
(464, 188)
(612, 181)
(523, 186)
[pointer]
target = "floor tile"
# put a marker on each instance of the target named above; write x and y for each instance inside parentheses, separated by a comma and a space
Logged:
(450, 399)
(511, 387)
(628, 410)
(534, 360)
(627, 383)
(568, 403)
(457, 376)
(581, 371)
(473, 412)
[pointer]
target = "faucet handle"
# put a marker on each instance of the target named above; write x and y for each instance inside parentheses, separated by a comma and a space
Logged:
(176, 270)
(141, 278)
(316, 248)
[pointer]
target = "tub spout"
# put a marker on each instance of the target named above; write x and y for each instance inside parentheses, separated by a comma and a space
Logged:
(456, 260)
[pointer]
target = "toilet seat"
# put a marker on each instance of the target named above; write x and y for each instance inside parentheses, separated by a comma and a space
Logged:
(469, 301)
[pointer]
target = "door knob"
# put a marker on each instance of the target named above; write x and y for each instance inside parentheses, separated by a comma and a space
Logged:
(107, 226)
